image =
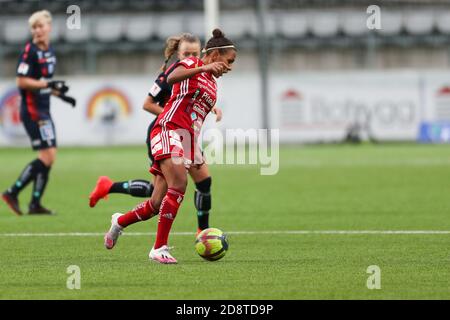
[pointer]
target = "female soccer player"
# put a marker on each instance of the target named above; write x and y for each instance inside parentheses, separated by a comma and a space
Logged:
(185, 45)
(34, 71)
(173, 141)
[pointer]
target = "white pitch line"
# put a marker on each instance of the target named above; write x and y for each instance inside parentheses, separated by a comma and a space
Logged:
(284, 232)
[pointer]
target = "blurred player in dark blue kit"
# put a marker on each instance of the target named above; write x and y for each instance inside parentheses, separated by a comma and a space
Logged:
(185, 45)
(35, 69)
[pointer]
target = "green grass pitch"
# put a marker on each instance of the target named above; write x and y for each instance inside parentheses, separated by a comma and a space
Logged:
(347, 188)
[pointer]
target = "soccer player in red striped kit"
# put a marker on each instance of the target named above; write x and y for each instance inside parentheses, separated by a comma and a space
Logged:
(184, 46)
(173, 141)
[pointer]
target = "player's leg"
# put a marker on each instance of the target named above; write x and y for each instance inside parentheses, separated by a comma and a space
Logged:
(104, 186)
(175, 174)
(47, 157)
(202, 196)
(135, 188)
(141, 212)
(37, 166)
(28, 174)
(147, 209)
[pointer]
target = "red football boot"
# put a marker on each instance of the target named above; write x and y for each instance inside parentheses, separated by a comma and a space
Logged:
(12, 202)
(100, 191)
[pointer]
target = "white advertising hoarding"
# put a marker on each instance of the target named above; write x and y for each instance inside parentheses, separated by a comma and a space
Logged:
(306, 107)
(109, 111)
(321, 107)
(436, 96)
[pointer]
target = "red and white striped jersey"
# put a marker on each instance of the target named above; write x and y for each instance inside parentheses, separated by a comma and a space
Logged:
(191, 100)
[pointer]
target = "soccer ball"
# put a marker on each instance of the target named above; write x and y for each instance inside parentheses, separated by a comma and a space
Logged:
(211, 244)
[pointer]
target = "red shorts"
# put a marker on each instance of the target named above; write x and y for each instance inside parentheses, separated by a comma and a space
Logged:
(172, 142)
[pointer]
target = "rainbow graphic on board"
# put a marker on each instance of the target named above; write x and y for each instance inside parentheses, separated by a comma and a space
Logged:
(10, 122)
(108, 104)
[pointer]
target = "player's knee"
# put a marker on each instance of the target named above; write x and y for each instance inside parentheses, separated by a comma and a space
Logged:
(50, 161)
(48, 157)
(180, 183)
(181, 186)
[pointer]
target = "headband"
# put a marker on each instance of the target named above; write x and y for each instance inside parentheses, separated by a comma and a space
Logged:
(222, 47)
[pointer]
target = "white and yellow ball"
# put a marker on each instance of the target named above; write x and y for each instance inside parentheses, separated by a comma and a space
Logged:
(211, 244)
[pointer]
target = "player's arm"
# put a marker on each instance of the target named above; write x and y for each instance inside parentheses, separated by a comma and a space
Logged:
(218, 112)
(157, 93)
(25, 75)
(27, 83)
(182, 73)
(151, 106)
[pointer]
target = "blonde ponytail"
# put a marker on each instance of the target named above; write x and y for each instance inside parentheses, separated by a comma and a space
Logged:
(172, 45)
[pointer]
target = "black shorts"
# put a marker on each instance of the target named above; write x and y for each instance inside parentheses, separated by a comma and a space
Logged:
(148, 142)
(42, 133)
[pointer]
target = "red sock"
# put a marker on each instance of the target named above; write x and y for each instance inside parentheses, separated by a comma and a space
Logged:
(141, 212)
(167, 214)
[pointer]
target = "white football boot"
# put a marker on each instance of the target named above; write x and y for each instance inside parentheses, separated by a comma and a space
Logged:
(114, 232)
(162, 255)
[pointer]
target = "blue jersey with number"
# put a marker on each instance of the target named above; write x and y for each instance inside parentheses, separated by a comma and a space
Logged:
(40, 65)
